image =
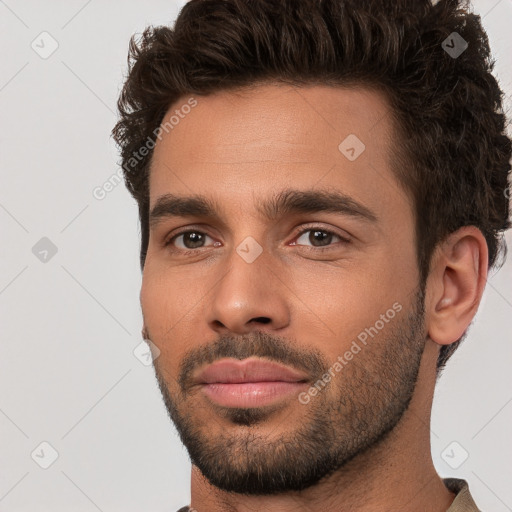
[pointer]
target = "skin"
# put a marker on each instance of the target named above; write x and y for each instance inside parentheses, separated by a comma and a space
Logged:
(239, 148)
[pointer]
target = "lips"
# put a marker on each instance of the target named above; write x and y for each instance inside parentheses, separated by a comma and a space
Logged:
(253, 382)
(232, 371)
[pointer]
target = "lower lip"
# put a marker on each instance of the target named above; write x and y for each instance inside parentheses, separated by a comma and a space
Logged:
(250, 394)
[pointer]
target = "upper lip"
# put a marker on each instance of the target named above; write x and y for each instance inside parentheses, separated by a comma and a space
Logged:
(232, 371)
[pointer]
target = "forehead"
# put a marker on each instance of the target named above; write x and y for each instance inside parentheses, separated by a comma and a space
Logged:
(276, 136)
(300, 116)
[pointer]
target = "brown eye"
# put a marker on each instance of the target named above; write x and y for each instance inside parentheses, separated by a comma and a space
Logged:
(190, 240)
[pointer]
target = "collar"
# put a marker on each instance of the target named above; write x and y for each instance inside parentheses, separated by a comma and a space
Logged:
(463, 501)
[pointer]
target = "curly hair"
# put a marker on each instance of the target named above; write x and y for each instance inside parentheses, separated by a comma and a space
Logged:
(450, 128)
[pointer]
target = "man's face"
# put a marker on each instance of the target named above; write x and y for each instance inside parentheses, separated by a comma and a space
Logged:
(250, 281)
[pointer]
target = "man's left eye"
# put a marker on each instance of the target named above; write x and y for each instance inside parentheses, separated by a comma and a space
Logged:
(322, 237)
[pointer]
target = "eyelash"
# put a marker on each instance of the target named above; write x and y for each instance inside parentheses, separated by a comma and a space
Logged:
(185, 252)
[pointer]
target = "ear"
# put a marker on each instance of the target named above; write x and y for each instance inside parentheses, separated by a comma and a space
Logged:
(455, 284)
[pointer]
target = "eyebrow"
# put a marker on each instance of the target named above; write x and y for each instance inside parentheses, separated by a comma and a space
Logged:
(285, 202)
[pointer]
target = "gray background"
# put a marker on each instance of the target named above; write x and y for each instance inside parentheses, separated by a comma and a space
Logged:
(70, 325)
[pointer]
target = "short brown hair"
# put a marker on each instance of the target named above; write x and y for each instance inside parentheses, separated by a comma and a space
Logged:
(451, 129)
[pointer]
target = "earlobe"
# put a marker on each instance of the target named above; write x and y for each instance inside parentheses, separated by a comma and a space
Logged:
(457, 281)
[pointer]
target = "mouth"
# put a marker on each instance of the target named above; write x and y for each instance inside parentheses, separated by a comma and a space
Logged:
(252, 382)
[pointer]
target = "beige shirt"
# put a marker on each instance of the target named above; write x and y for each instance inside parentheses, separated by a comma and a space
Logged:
(463, 501)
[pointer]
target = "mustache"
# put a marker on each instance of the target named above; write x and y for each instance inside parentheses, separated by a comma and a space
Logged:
(254, 344)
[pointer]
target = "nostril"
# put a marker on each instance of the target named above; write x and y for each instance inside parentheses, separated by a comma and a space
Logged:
(262, 319)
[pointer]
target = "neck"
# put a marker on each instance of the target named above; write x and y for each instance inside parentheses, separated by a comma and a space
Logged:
(396, 474)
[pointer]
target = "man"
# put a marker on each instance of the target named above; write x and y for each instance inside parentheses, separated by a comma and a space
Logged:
(322, 190)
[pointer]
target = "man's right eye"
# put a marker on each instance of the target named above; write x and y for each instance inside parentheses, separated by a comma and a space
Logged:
(188, 240)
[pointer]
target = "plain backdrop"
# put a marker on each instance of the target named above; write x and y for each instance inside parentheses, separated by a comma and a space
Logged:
(70, 278)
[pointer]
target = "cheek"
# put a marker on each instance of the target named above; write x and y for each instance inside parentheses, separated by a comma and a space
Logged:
(161, 314)
(173, 304)
(163, 301)
(337, 304)
(335, 307)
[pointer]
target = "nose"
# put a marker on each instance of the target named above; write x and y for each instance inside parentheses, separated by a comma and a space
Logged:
(247, 297)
